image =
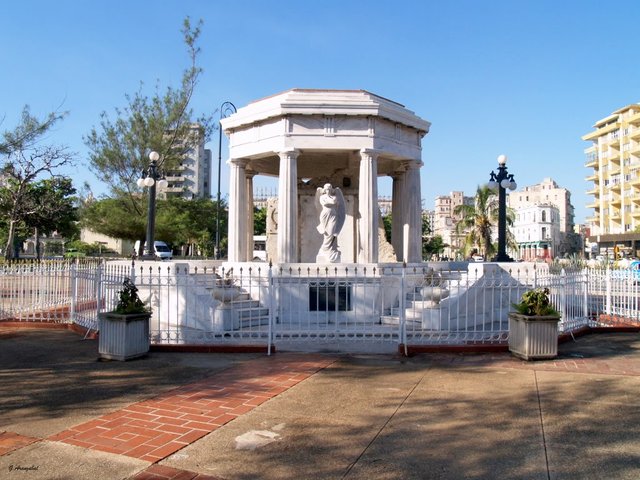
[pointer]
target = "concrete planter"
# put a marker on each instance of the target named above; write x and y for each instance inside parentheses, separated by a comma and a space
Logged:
(533, 337)
(123, 337)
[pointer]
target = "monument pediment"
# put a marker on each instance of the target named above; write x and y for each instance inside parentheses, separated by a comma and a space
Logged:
(300, 101)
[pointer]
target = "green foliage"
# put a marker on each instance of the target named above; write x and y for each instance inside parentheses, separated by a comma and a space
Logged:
(178, 221)
(387, 222)
(535, 302)
(27, 203)
(116, 217)
(432, 246)
(477, 221)
(259, 221)
(128, 300)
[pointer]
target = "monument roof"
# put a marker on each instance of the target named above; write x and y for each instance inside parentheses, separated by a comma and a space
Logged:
(300, 101)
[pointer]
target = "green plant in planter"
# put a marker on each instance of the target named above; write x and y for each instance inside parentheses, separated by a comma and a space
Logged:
(128, 301)
(536, 302)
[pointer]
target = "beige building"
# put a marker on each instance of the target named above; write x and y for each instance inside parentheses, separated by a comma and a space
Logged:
(444, 221)
(614, 156)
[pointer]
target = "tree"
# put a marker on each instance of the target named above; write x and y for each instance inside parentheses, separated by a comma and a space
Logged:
(163, 123)
(387, 223)
(191, 223)
(432, 246)
(259, 221)
(24, 160)
(178, 221)
(477, 221)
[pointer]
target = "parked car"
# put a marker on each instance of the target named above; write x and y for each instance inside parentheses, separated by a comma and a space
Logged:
(160, 250)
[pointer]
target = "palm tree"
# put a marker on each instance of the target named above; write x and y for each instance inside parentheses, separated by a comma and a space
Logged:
(478, 221)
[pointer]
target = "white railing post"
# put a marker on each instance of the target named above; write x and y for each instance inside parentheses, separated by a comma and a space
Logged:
(402, 334)
(607, 279)
(564, 310)
(270, 293)
(74, 292)
(585, 296)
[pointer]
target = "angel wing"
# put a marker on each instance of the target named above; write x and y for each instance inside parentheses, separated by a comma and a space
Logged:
(340, 209)
(319, 191)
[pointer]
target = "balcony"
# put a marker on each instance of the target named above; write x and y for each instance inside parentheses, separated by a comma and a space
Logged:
(591, 162)
(593, 191)
(591, 178)
(594, 205)
(593, 220)
(614, 156)
(601, 131)
(634, 133)
(634, 119)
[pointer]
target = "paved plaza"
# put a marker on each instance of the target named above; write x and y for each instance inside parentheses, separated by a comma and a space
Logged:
(66, 415)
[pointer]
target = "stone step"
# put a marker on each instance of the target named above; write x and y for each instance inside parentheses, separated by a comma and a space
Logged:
(248, 322)
(252, 312)
(244, 304)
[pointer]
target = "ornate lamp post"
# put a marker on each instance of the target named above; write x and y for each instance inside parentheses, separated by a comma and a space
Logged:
(502, 181)
(153, 178)
(226, 109)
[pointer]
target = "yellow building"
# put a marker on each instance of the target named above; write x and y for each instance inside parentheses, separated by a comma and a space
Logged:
(614, 156)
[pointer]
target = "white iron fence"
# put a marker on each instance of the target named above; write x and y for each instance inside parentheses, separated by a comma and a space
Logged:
(309, 306)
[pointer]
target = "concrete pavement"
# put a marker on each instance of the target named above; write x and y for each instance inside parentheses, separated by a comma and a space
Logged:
(440, 416)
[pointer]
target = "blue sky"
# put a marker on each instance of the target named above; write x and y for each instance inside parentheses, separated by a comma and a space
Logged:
(523, 78)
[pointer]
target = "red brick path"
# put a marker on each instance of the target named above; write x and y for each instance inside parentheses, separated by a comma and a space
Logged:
(10, 441)
(154, 429)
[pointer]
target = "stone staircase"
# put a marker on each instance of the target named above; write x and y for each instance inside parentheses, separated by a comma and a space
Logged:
(248, 313)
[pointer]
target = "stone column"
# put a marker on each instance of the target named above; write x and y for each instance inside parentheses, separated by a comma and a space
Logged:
(237, 210)
(412, 205)
(249, 196)
(288, 207)
(368, 206)
(397, 214)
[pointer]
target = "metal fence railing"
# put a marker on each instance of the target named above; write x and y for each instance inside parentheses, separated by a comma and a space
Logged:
(319, 306)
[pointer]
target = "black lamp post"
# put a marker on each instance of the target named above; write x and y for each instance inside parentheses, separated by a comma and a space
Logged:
(153, 178)
(226, 109)
(502, 181)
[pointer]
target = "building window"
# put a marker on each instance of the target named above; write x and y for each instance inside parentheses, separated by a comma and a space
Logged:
(544, 216)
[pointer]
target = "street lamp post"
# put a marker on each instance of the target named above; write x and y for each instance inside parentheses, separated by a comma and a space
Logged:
(502, 181)
(153, 178)
(226, 109)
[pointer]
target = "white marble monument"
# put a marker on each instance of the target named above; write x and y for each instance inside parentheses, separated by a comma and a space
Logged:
(311, 138)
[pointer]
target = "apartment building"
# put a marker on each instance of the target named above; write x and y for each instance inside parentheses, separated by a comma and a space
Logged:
(191, 178)
(445, 220)
(541, 197)
(614, 157)
(537, 231)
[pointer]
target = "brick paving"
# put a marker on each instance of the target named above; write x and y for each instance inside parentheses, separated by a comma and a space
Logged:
(10, 441)
(154, 429)
(160, 472)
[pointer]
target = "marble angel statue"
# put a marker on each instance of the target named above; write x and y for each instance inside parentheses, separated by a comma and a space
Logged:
(331, 208)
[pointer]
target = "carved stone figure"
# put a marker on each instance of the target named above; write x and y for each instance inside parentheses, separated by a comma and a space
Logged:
(331, 208)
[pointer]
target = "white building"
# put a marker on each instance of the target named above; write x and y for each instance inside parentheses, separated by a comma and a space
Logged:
(549, 193)
(537, 231)
(191, 178)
